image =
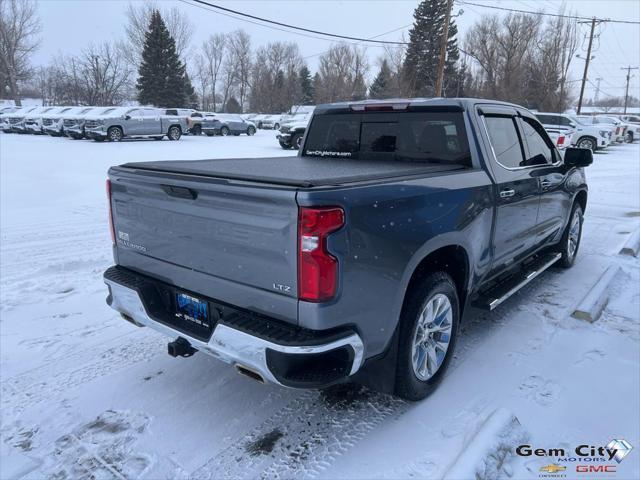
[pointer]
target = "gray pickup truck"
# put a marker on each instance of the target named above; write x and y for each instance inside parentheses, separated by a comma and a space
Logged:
(130, 122)
(359, 258)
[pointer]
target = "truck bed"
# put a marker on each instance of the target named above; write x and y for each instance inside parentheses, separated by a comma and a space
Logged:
(305, 172)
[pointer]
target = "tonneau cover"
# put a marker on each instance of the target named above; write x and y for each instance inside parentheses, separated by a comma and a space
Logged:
(295, 171)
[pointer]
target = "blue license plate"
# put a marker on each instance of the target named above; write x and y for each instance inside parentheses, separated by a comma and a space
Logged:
(192, 309)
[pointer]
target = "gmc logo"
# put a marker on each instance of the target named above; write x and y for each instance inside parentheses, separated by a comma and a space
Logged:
(596, 468)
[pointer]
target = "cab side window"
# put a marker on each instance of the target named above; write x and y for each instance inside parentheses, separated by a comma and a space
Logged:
(540, 149)
(505, 140)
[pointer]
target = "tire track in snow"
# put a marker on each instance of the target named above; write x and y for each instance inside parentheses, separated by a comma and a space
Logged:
(305, 436)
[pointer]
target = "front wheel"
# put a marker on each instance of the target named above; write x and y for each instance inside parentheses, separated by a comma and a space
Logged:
(114, 134)
(286, 146)
(629, 137)
(296, 140)
(174, 133)
(251, 131)
(224, 131)
(428, 331)
(587, 142)
(571, 238)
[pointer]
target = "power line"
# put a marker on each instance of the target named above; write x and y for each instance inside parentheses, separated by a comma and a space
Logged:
(293, 27)
(545, 14)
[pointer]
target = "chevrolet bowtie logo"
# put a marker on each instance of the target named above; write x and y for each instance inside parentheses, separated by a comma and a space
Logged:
(553, 468)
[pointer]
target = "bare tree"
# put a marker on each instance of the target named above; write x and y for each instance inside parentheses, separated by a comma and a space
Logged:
(138, 18)
(214, 50)
(275, 85)
(19, 29)
(240, 56)
(342, 71)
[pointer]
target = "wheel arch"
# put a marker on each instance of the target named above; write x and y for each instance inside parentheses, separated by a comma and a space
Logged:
(581, 199)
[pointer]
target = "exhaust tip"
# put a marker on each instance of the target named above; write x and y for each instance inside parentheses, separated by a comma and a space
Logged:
(247, 372)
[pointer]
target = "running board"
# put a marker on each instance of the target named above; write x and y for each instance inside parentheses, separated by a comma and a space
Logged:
(490, 299)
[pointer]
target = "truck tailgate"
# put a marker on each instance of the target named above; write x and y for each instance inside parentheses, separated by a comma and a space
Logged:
(232, 243)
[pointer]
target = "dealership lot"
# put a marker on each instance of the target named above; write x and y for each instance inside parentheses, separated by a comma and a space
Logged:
(86, 394)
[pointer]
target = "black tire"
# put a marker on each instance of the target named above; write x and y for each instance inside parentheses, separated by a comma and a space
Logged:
(196, 130)
(115, 134)
(296, 139)
(224, 131)
(251, 130)
(174, 133)
(587, 142)
(407, 383)
(628, 137)
(286, 146)
(276, 126)
(568, 248)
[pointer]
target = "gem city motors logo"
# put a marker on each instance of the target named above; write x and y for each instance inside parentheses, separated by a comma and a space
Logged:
(586, 458)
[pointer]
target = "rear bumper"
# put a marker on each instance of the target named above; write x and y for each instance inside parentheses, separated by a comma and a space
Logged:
(282, 354)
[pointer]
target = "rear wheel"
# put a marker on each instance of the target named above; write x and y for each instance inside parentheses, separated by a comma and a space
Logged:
(224, 131)
(251, 131)
(114, 134)
(174, 133)
(587, 142)
(428, 331)
(196, 130)
(571, 238)
(276, 126)
(629, 137)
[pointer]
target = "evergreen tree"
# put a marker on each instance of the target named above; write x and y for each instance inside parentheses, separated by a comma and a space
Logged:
(382, 84)
(317, 85)
(233, 106)
(192, 96)
(421, 61)
(163, 79)
(306, 86)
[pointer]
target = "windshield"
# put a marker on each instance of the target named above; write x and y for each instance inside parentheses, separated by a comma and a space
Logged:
(417, 137)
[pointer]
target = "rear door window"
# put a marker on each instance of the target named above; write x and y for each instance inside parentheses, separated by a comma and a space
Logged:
(505, 141)
(438, 137)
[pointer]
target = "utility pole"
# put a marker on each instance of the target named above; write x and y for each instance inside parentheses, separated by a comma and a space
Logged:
(595, 97)
(443, 49)
(626, 92)
(594, 20)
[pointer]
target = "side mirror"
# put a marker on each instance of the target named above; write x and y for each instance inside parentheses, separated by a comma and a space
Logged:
(127, 117)
(578, 157)
(572, 125)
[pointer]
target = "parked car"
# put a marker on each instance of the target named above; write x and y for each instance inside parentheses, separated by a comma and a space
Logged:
(560, 128)
(258, 119)
(226, 124)
(589, 135)
(134, 122)
(73, 123)
(291, 135)
(358, 258)
(33, 121)
(633, 124)
(271, 122)
(194, 122)
(5, 114)
(616, 127)
(53, 123)
(13, 122)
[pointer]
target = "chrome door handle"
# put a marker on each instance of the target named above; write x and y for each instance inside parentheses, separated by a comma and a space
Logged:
(507, 193)
(545, 183)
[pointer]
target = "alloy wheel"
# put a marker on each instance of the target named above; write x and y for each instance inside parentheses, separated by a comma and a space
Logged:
(432, 337)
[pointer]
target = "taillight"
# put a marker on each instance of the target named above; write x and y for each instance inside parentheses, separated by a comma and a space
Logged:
(111, 228)
(317, 268)
(561, 140)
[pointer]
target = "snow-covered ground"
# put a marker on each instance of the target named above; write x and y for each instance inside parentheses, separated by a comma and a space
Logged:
(86, 395)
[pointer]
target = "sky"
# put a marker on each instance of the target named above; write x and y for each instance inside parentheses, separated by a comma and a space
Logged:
(68, 25)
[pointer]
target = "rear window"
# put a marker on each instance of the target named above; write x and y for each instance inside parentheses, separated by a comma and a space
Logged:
(438, 137)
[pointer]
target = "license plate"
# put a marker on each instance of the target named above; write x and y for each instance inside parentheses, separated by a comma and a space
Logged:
(192, 309)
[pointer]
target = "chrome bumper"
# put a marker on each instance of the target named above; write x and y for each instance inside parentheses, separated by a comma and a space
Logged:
(229, 344)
